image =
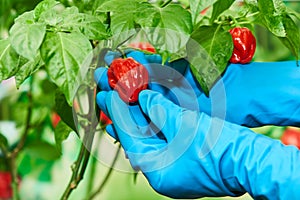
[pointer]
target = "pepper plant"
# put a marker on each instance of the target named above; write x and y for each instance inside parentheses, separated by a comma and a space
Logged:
(58, 45)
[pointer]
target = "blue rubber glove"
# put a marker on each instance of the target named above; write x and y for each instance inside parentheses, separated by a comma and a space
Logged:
(188, 154)
(255, 94)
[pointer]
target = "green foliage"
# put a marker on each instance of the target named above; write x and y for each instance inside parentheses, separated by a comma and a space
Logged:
(209, 50)
(219, 7)
(64, 110)
(62, 38)
(50, 47)
(62, 131)
(197, 6)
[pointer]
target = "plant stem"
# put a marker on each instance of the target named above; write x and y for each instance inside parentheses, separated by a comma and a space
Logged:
(12, 155)
(14, 175)
(80, 165)
(22, 141)
(107, 176)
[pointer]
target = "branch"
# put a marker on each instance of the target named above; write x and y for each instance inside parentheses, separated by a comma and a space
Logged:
(12, 155)
(75, 168)
(93, 195)
(84, 155)
(22, 141)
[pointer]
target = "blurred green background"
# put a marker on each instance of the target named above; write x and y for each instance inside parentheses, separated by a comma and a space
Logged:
(44, 178)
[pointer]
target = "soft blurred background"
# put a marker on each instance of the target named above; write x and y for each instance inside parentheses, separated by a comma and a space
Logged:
(44, 172)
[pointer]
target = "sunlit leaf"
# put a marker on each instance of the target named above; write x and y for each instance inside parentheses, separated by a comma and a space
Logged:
(67, 57)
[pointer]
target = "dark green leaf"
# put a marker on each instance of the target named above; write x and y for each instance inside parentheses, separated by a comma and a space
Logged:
(292, 39)
(9, 60)
(65, 111)
(67, 57)
(167, 32)
(209, 50)
(42, 150)
(123, 15)
(219, 7)
(3, 141)
(40, 168)
(87, 24)
(198, 5)
(271, 13)
(28, 69)
(44, 6)
(62, 132)
(26, 36)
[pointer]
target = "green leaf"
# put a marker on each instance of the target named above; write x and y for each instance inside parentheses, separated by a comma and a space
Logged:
(9, 60)
(52, 18)
(123, 15)
(28, 69)
(271, 14)
(209, 50)
(42, 150)
(40, 168)
(65, 111)
(3, 141)
(43, 7)
(167, 32)
(87, 24)
(292, 39)
(26, 36)
(118, 6)
(197, 6)
(62, 132)
(219, 7)
(67, 57)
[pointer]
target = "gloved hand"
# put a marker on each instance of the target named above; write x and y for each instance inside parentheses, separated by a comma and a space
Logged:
(188, 154)
(254, 94)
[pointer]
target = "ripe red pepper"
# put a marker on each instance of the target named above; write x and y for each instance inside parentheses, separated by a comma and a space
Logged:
(146, 46)
(104, 119)
(291, 136)
(128, 78)
(5, 185)
(55, 119)
(244, 45)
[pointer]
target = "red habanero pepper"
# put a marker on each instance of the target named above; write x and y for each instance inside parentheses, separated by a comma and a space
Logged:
(146, 46)
(128, 78)
(104, 119)
(5, 185)
(291, 136)
(244, 45)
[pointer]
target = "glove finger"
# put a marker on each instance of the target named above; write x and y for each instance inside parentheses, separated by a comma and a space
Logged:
(110, 56)
(143, 58)
(100, 99)
(112, 132)
(101, 78)
(167, 116)
(131, 126)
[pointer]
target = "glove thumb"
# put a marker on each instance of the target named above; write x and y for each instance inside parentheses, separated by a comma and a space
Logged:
(168, 117)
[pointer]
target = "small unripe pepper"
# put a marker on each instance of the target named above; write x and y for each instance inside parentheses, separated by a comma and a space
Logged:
(128, 78)
(244, 45)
